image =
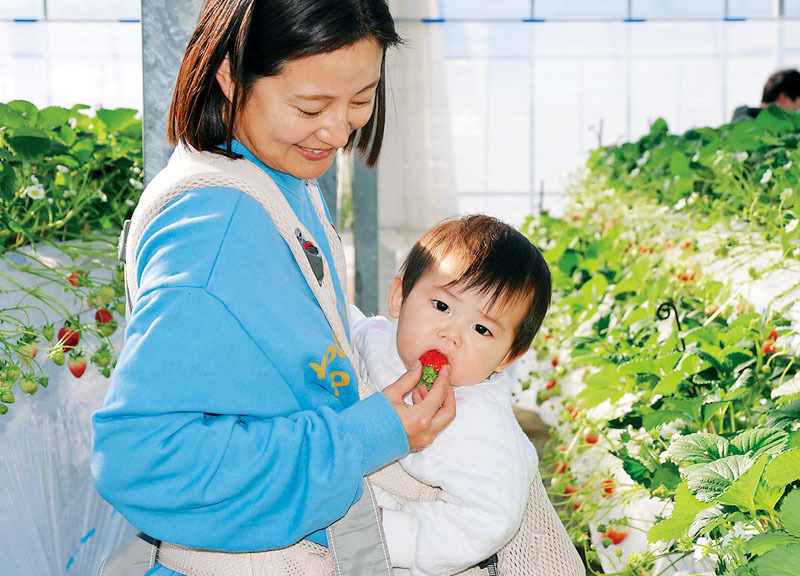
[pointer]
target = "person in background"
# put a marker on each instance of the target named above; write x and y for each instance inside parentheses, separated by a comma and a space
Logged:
(782, 89)
(472, 293)
(233, 422)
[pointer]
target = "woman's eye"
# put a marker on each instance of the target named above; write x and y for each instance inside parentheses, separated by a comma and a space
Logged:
(441, 306)
(482, 330)
(362, 104)
(309, 114)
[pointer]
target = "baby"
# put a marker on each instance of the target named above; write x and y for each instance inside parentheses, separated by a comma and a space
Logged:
(475, 290)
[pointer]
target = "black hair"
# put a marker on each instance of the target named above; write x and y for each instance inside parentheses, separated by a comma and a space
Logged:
(495, 259)
(259, 37)
(781, 82)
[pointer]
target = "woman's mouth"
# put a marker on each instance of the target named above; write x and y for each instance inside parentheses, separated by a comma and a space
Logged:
(314, 153)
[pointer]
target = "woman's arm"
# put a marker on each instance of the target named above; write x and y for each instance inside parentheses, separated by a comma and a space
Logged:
(232, 421)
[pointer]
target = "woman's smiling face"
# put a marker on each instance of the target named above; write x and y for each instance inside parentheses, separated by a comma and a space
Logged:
(294, 122)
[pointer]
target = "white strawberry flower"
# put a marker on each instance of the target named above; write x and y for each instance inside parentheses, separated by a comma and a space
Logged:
(102, 195)
(68, 193)
(767, 175)
(787, 192)
(63, 169)
(136, 184)
(791, 225)
(35, 192)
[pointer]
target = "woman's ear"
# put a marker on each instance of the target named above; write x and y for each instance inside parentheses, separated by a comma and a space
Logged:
(396, 297)
(225, 80)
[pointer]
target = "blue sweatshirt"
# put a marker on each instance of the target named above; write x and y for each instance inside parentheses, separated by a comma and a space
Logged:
(232, 421)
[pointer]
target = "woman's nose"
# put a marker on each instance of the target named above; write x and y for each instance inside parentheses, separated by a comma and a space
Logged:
(336, 130)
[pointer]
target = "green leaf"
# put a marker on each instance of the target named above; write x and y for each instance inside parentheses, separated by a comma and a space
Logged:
(785, 417)
(780, 561)
(52, 117)
(742, 492)
(115, 120)
(698, 448)
(659, 417)
(25, 108)
(788, 388)
(760, 441)
(683, 514)
(790, 513)
(29, 143)
(763, 543)
(783, 469)
(669, 383)
(603, 385)
(706, 520)
(640, 366)
(708, 481)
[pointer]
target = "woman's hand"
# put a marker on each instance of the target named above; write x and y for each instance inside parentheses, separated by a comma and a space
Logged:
(431, 411)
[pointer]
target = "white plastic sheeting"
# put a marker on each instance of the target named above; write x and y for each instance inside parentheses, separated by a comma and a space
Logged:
(52, 520)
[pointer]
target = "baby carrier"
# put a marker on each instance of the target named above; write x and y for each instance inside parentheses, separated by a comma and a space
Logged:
(357, 546)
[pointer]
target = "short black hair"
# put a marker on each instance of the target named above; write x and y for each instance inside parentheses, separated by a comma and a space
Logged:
(495, 258)
(259, 37)
(781, 82)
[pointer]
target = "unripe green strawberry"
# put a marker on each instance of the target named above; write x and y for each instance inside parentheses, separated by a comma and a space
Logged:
(26, 351)
(28, 384)
(48, 331)
(7, 396)
(12, 372)
(102, 357)
(57, 356)
(44, 381)
(3, 409)
(432, 361)
(106, 294)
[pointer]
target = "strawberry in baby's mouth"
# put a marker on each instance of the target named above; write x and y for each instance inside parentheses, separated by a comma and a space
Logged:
(432, 362)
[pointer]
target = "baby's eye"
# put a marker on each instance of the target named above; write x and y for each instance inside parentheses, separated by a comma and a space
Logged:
(482, 330)
(440, 306)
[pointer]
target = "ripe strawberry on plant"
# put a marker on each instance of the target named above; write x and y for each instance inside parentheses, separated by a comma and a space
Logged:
(591, 436)
(77, 278)
(77, 363)
(616, 533)
(773, 335)
(106, 324)
(608, 487)
(68, 338)
(432, 361)
(768, 347)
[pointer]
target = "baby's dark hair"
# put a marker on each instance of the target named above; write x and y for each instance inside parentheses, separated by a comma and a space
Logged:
(495, 259)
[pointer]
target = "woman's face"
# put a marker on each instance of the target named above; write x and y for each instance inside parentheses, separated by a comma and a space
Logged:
(295, 122)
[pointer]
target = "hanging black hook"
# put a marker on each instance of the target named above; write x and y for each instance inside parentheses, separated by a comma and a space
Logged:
(663, 314)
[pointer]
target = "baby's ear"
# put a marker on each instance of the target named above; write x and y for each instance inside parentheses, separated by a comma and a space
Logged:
(507, 361)
(396, 297)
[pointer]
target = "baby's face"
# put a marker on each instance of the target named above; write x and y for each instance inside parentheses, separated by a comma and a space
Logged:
(474, 337)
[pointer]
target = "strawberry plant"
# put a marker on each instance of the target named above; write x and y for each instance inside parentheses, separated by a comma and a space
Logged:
(678, 397)
(67, 182)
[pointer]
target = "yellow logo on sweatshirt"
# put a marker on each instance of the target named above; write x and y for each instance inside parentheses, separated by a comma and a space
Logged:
(338, 377)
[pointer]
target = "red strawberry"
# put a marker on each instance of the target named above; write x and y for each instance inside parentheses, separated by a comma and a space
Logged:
(432, 362)
(591, 436)
(608, 487)
(77, 364)
(69, 338)
(561, 467)
(570, 489)
(551, 384)
(554, 362)
(102, 316)
(769, 347)
(773, 335)
(77, 278)
(616, 533)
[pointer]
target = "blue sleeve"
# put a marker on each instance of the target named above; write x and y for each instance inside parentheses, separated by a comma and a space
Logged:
(221, 428)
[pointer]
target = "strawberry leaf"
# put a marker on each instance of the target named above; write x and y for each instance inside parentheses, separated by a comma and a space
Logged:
(742, 492)
(708, 481)
(780, 561)
(783, 469)
(760, 441)
(790, 513)
(762, 543)
(698, 448)
(684, 511)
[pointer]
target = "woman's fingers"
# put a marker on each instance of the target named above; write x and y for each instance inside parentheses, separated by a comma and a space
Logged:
(431, 411)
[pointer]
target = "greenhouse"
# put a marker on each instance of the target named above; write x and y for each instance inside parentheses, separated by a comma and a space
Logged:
(424, 287)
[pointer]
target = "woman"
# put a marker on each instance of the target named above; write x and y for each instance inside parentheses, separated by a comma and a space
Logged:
(233, 420)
